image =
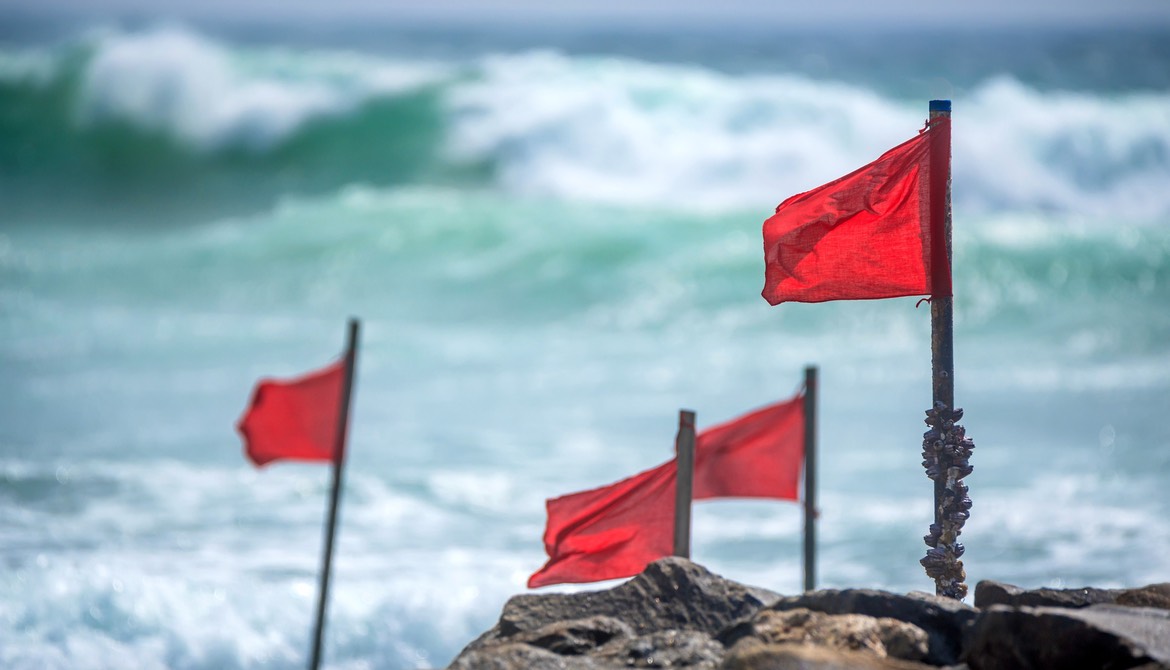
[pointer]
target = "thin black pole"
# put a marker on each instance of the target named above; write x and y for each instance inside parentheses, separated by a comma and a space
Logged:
(810, 478)
(335, 493)
(942, 347)
(684, 446)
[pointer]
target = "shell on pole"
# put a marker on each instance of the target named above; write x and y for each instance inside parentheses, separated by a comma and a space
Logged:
(946, 454)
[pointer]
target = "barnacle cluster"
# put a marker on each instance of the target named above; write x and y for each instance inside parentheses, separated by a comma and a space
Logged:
(946, 453)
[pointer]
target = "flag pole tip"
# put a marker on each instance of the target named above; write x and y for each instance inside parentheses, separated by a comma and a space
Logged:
(940, 105)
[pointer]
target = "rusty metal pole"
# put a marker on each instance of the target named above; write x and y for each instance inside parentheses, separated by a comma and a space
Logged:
(942, 320)
(810, 477)
(946, 449)
(684, 446)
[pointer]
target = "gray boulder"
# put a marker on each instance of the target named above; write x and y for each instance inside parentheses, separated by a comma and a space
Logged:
(671, 593)
(670, 612)
(789, 656)
(851, 632)
(944, 620)
(1154, 595)
(694, 650)
(988, 593)
(1097, 636)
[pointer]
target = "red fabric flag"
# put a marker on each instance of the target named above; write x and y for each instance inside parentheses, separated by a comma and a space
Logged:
(866, 235)
(609, 532)
(757, 455)
(294, 419)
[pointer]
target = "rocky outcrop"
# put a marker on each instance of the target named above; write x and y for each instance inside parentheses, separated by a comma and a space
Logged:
(809, 657)
(944, 620)
(988, 593)
(1098, 636)
(677, 614)
(671, 594)
(880, 637)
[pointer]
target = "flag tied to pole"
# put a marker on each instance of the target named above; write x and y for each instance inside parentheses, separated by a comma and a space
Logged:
(758, 455)
(617, 530)
(877, 232)
(609, 532)
(294, 419)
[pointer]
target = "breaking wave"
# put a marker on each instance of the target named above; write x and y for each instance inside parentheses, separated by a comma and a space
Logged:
(168, 107)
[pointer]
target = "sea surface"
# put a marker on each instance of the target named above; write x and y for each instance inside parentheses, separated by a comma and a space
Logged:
(552, 240)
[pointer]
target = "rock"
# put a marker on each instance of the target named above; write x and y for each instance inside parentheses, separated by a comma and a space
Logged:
(670, 594)
(596, 642)
(664, 649)
(1098, 636)
(988, 593)
(944, 620)
(677, 614)
(518, 656)
(853, 632)
(1154, 595)
(748, 656)
(576, 637)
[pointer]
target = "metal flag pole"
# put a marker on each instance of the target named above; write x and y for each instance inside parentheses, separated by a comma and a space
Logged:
(942, 316)
(810, 477)
(335, 493)
(945, 447)
(684, 447)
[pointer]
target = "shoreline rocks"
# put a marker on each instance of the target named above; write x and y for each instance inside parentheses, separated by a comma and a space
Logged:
(677, 614)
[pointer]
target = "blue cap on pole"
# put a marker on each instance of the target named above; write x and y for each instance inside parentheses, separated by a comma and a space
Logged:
(940, 105)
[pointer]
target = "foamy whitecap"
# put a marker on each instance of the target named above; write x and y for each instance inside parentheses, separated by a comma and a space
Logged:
(179, 83)
(618, 130)
(625, 131)
(1018, 148)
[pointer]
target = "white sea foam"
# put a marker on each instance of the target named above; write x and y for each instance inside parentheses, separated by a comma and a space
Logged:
(625, 131)
(1018, 148)
(96, 588)
(177, 82)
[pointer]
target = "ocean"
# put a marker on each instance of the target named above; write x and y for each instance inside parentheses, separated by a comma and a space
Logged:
(552, 239)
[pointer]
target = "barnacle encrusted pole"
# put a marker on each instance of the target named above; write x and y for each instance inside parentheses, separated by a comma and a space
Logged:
(946, 452)
(946, 449)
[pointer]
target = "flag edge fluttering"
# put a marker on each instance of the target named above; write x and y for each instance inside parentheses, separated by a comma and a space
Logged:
(263, 385)
(934, 139)
(796, 401)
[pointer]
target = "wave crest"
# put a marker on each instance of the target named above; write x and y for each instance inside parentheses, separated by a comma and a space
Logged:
(177, 82)
(543, 123)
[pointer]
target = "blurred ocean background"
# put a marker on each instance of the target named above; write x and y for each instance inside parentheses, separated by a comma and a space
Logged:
(552, 237)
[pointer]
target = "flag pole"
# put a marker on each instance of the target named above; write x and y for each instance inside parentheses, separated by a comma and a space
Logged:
(684, 447)
(810, 477)
(945, 447)
(335, 493)
(942, 345)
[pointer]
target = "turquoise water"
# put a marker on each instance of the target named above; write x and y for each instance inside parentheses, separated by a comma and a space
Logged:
(553, 243)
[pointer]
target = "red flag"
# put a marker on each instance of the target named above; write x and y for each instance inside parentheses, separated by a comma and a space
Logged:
(757, 455)
(609, 532)
(866, 235)
(294, 419)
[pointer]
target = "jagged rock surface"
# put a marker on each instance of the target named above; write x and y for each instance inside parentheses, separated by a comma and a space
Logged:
(679, 615)
(1098, 636)
(943, 619)
(852, 632)
(671, 594)
(988, 593)
(809, 657)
